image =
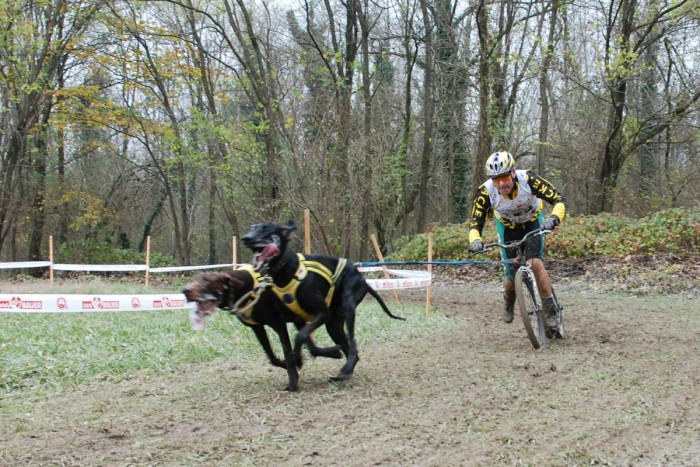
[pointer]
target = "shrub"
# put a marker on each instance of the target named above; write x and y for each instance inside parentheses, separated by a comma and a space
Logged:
(92, 252)
(675, 231)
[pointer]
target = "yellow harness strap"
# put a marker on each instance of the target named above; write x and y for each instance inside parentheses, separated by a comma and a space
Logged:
(247, 314)
(288, 293)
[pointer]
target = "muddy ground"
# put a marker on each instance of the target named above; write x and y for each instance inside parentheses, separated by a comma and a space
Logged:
(622, 389)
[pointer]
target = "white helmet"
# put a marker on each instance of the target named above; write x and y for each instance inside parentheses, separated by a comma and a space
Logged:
(499, 163)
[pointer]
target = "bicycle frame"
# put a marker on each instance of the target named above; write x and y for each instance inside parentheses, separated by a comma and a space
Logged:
(527, 293)
(521, 258)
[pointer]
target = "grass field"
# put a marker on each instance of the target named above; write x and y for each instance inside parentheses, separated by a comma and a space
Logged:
(43, 351)
(460, 388)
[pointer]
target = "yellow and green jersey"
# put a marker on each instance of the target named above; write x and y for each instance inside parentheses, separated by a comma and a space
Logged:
(522, 206)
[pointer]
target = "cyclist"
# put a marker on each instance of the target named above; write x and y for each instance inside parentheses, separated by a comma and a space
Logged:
(515, 198)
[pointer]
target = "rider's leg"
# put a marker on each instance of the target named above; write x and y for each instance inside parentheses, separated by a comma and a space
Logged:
(535, 251)
(508, 272)
(544, 285)
(509, 299)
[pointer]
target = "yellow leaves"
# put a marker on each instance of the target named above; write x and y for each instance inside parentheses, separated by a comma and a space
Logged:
(91, 209)
(84, 105)
(623, 64)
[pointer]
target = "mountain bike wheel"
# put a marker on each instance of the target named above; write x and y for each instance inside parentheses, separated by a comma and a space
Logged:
(530, 307)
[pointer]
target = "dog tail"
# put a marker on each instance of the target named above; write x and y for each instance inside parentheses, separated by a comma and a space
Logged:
(378, 298)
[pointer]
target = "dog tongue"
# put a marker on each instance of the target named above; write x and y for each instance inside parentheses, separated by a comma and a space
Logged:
(269, 251)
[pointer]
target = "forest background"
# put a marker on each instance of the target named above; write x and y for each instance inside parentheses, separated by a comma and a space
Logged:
(187, 121)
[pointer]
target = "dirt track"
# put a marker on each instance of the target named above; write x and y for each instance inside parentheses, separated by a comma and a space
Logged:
(621, 390)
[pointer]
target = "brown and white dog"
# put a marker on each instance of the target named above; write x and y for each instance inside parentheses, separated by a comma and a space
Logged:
(224, 290)
(325, 290)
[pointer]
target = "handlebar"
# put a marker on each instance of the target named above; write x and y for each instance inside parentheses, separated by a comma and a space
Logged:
(515, 243)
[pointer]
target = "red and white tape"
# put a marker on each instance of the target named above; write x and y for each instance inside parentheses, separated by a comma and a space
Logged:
(67, 303)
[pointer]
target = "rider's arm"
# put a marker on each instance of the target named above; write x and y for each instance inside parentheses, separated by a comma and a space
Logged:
(545, 190)
(480, 209)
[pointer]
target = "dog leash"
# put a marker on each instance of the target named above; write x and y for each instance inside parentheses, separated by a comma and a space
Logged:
(363, 264)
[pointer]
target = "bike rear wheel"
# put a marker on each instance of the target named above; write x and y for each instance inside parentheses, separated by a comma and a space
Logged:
(530, 307)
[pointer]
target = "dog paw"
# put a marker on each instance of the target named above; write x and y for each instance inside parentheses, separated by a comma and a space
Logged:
(338, 378)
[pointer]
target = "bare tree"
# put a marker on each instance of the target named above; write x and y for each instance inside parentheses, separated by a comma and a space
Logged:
(544, 88)
(428, 116)
(33, 57)
(452, 75)
(500, 76)
(627, 35)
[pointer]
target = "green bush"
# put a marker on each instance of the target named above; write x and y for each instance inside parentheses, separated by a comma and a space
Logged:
(672, 231)
(92, 252)
(675, 231)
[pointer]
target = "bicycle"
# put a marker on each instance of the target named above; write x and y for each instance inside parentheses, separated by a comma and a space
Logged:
(528, 296)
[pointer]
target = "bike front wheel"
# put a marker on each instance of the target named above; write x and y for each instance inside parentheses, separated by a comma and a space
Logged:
(530, 307)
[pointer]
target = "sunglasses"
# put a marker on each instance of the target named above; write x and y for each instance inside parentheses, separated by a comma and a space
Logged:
(501, 178)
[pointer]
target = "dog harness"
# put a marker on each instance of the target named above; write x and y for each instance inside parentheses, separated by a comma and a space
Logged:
(243, 308)
(288, 293)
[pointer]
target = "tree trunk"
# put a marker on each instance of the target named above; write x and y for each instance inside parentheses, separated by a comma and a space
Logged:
(428, 114)
(543, 146)
(407, 196)
(483, 133)
(366, 206)
(612, 157)
(38, 183)
(212, 224)
(451, 96)
(148, 225)
(648, 161)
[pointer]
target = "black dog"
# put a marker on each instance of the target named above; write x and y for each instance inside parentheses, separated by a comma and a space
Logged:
(322, 289)
(225, 290)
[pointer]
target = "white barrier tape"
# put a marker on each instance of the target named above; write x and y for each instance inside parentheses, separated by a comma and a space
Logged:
(371, 269)
(67, 303)
(106, 267)
(409, 273)
(407, 283)
(190, 268)
(396, 272)
(100, 267)
(25, 264)
(144, 267)
(409, 279)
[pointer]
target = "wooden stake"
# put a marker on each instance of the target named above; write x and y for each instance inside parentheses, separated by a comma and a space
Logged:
(307, 235)
(307, 231)
(148, 257)
(430, 271)
(51, 259)
(233, 251)
(381, 258)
